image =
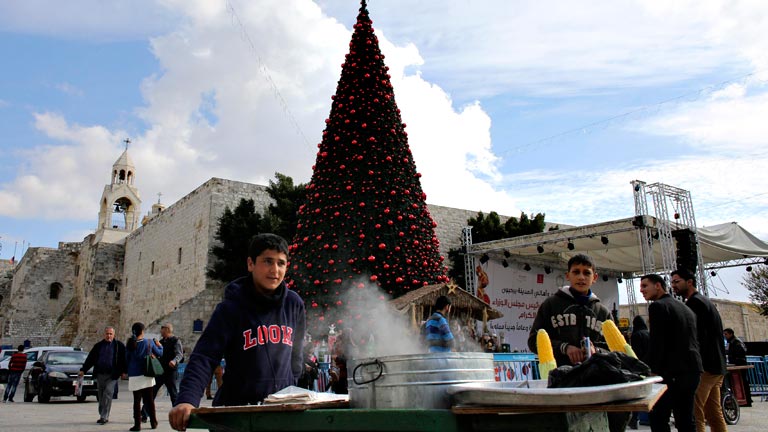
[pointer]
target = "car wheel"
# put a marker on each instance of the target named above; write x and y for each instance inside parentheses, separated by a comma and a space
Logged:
(81, 398)
(43, 396)
(27, 395)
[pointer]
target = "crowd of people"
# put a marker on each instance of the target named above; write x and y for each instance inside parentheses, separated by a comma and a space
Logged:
(259, 332)
(111, 360)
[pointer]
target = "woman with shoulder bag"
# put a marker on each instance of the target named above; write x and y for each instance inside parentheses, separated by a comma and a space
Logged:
(136, 353)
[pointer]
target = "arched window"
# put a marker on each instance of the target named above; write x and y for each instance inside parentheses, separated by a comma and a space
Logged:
(112, 285)
(55, 291)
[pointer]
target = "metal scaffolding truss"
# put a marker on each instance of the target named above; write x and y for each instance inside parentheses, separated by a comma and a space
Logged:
(679, 200)
(469, 260)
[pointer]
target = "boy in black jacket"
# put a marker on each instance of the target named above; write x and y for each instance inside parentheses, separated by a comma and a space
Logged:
(258, 329)
(572, 314)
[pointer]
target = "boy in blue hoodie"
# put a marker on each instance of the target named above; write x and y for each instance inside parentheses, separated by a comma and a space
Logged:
(258, 329)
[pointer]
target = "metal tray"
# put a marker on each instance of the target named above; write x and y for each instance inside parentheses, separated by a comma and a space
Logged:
(535, 392)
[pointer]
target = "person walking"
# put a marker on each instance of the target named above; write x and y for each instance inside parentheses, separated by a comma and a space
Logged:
(173, 354)
(709, 328)
(16, 367)
(137, 350)
(737, 355)
(438, 333)
(107, 358)
(673, 354)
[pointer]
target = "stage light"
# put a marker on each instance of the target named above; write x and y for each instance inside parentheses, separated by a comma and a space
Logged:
(749, 268)
(504, 263)
(526, 267)
(540, 248)
(604, 240)
(547, 269)
(484, 258)
(619, 280)
(713, 273)
(605, 278)
(571, 246)
(637, 187)
(506, 254)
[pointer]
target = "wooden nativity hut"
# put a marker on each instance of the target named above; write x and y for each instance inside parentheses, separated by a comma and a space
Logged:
(465, 307)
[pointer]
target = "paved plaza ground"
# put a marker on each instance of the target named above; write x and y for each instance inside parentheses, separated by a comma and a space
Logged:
(65, 414)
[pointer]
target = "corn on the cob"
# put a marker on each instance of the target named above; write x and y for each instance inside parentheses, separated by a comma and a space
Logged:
(616, 341)
(546, 357)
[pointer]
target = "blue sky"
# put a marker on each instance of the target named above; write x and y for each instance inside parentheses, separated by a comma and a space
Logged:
(550, 106)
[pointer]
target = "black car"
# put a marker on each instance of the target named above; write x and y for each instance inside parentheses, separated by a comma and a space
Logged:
(55, 374)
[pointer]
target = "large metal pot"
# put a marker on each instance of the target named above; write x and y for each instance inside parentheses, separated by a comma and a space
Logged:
(414, 380)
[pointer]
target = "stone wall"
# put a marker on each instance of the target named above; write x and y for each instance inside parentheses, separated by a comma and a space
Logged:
(6, 279)
(99, 287)
(167, 259)
(198, 308)
(743, 318)
(450, 222)
(33, 314)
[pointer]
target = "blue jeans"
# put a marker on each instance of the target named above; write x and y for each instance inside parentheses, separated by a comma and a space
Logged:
(13, 382)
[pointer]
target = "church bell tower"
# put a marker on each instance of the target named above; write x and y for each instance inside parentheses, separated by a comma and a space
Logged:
(120, 204)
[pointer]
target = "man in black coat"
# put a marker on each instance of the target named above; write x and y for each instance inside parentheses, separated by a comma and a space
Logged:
(107, 358)
(709, 328)
(673, 354)
(737, 355)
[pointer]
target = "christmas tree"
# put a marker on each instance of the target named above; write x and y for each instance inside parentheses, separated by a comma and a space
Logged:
(365, 223)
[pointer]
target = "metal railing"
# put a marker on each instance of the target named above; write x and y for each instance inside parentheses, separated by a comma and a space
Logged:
(758, 376)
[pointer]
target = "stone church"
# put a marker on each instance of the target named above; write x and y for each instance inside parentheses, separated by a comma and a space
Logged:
(150, 269)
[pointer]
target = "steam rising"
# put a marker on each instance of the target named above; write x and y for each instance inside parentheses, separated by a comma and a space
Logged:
(381, 329)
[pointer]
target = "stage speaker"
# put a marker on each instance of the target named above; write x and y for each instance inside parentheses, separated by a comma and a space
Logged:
(687, 249)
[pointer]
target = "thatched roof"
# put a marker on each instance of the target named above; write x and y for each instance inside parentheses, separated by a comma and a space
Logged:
(461, 301)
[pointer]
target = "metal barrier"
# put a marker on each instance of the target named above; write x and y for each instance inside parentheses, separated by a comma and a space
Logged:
(515, 366)
(758, 376)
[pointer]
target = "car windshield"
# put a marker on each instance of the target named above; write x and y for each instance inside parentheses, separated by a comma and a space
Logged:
(67, 358)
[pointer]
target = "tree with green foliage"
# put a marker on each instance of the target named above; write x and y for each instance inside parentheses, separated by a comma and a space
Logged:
(236, 227)
(756, 282)
(283, 213)
(489, 228)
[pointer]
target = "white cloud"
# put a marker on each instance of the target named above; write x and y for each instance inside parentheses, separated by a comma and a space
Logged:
(730, 120)
(58, 181)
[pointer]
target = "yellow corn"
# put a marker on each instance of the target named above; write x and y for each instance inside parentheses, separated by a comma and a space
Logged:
(546, 357)
(616, 341)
